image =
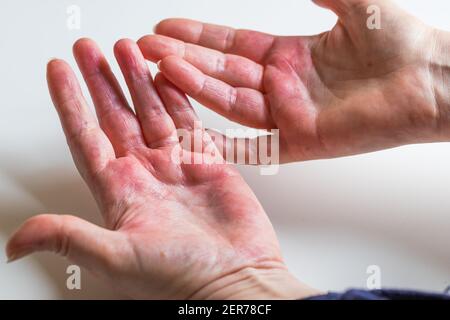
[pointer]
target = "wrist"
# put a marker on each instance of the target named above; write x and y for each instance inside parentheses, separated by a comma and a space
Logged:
(262, 283)
(440, 73)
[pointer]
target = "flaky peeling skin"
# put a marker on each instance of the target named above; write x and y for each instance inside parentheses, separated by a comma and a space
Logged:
(171, 230)
(347, 91)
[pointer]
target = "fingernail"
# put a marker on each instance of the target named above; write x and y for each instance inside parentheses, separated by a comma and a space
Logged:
(158, 64)
(11, 258)
(16, 256)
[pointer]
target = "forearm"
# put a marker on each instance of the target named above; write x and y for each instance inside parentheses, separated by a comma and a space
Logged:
(440, 73)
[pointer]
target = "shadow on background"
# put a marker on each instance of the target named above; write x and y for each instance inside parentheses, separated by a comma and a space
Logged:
(315, 205)
(54, 190)
(61, 190)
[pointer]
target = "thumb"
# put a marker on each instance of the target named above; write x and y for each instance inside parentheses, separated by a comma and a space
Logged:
(82, 242)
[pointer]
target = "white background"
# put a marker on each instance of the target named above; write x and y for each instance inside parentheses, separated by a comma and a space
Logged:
(334, 218)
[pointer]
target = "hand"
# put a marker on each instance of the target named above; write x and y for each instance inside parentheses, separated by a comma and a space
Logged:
(343, 92)
(172, 230)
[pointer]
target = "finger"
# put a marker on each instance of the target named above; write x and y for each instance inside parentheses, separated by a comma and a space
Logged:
(243, 105)
(176, 103)
(260, 150)
(190, 132)
(80, 241)
(89, 145)
(158, 127)
(235, 70)
(251, 44)
(115, 116)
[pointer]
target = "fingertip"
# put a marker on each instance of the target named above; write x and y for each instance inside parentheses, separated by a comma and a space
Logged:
(180, 28)
(55, 64)
(14, 253)
(21, 243)
(156, 47)
(175, 64)
(162, 83)
(53, 61)
(87, 53)
(159, 79)
(163, 64)
(142, 41)
(59, 73)
(121, 49)
(181, 73)
(148, 41)
(144, 44)
(83, 44)
(10, 251)
(12, 256)
(124, 44)
(163, 24)
(169, 61)
(166, 24)
(129, 56)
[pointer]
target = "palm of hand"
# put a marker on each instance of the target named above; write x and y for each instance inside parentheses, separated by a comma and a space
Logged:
(353, 89)
(185, 226)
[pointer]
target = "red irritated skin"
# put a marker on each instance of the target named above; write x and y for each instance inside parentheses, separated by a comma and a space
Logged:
(171, 230)
(351, 90)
